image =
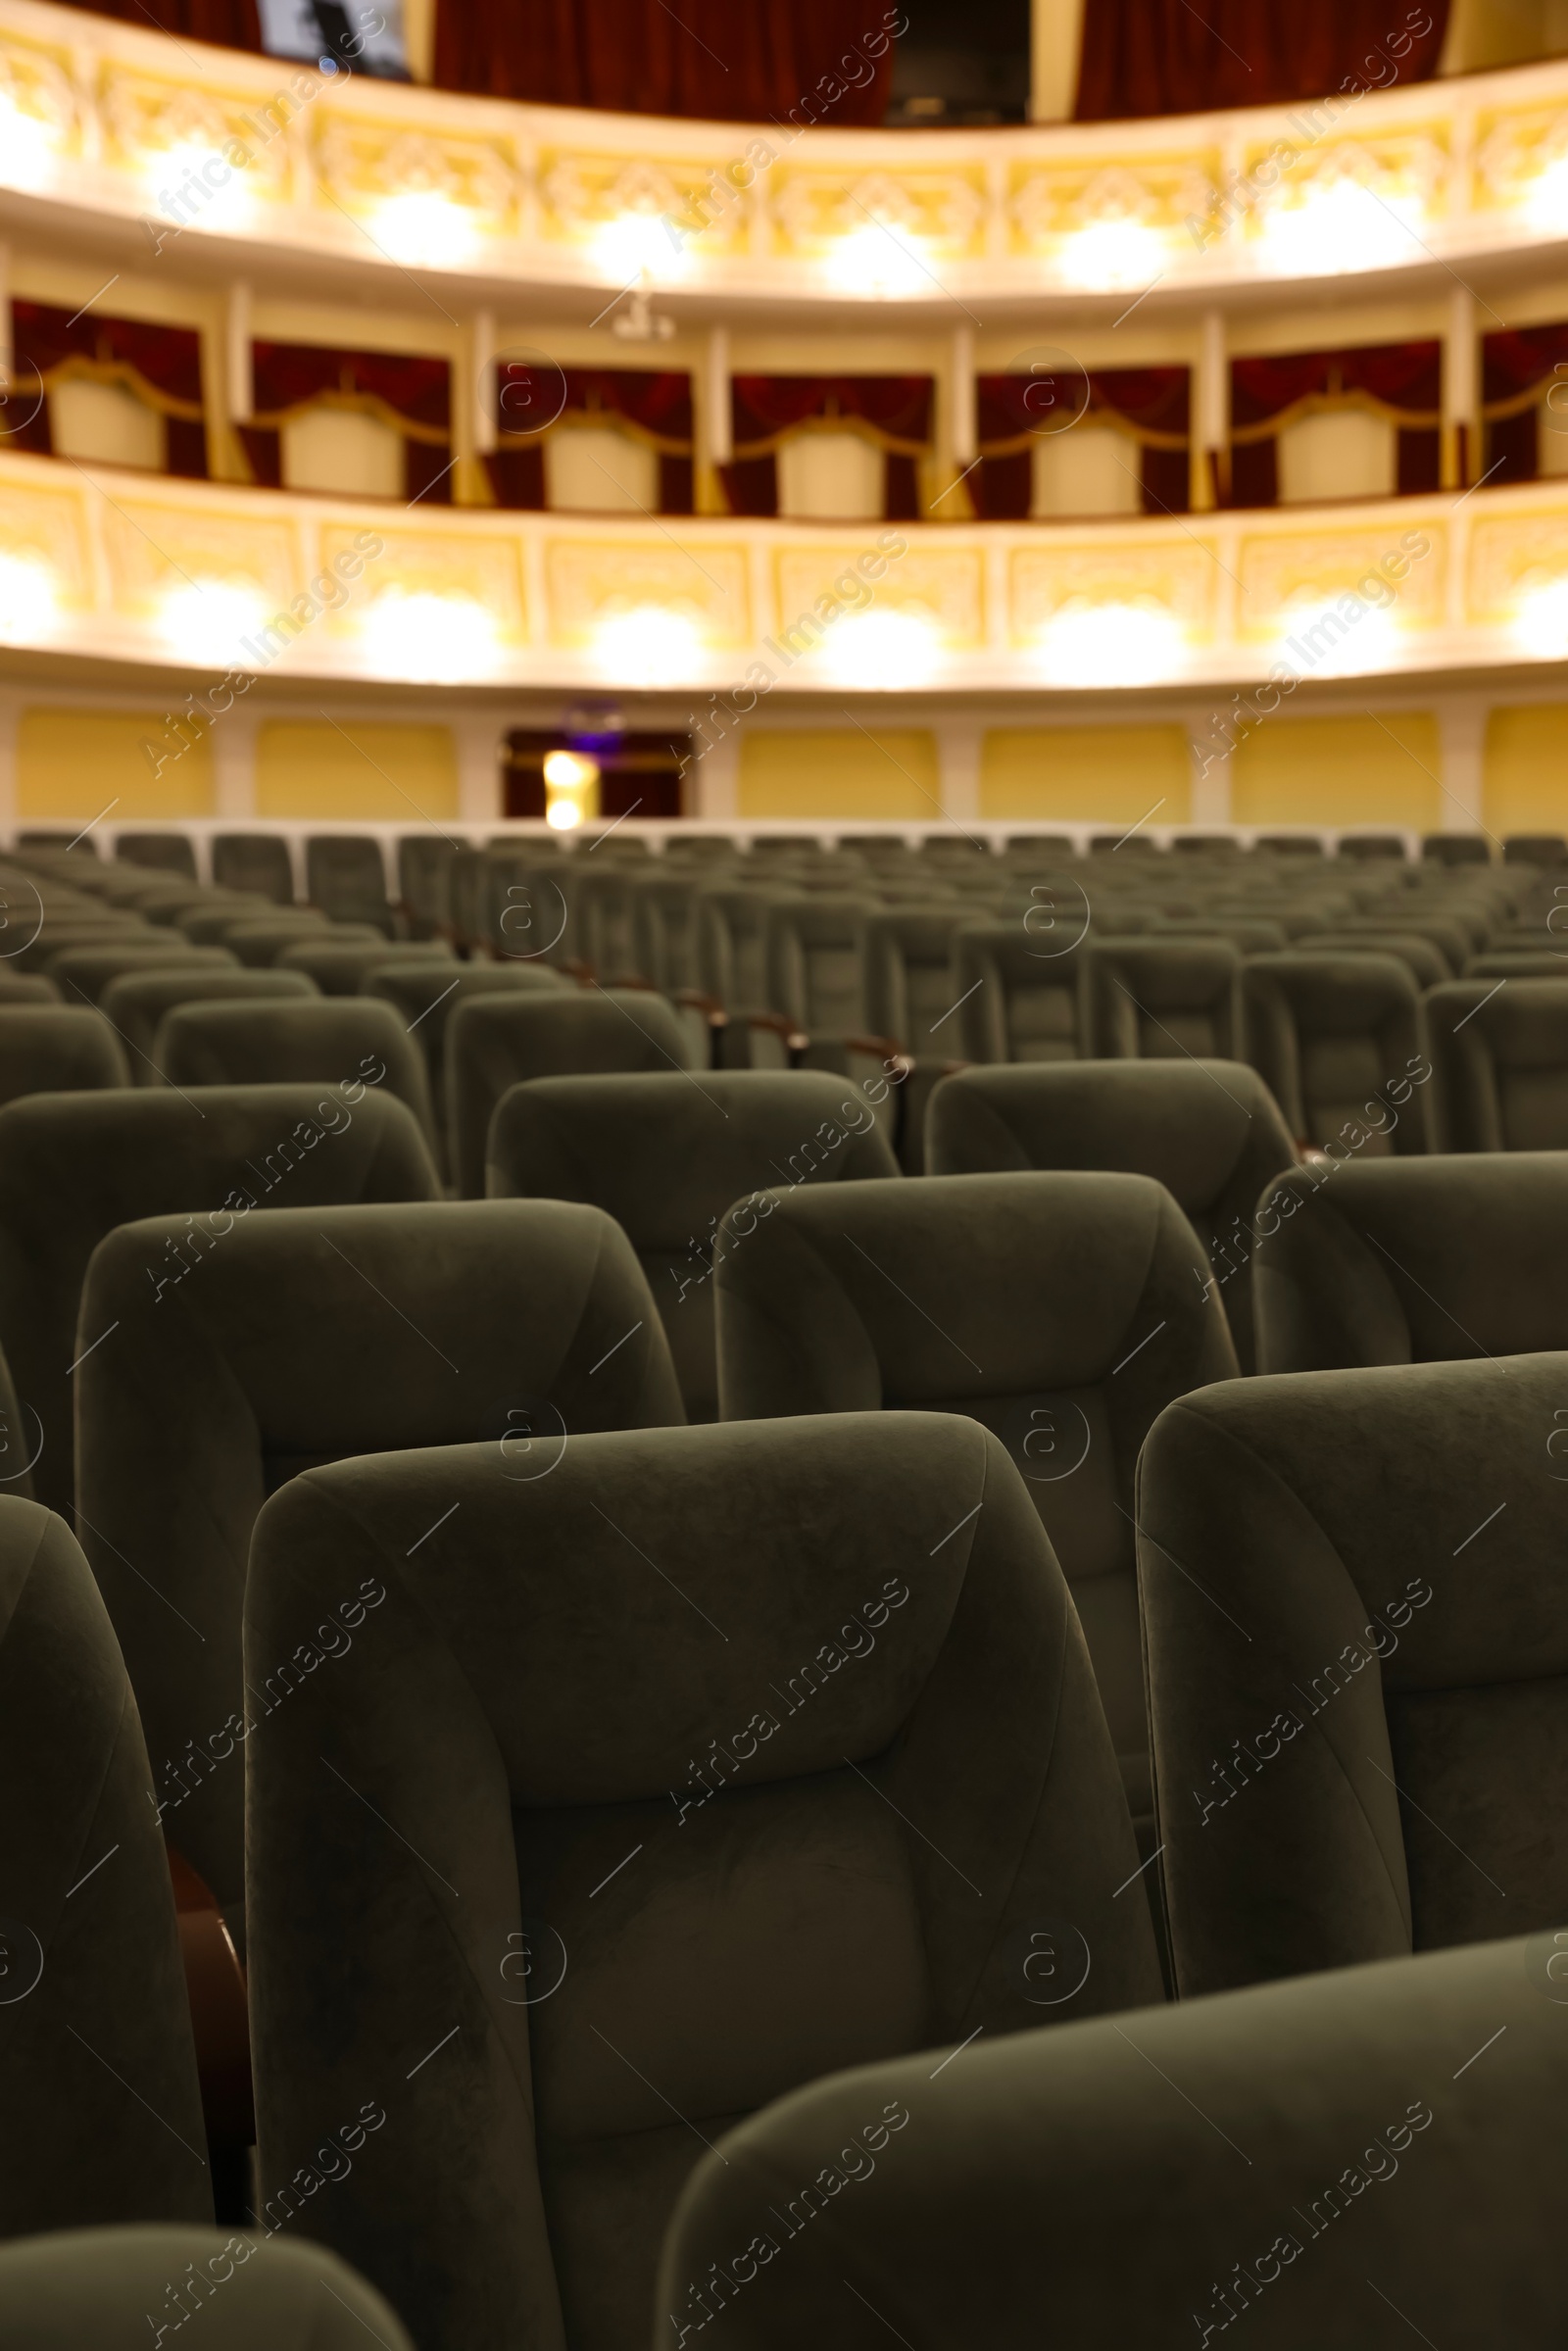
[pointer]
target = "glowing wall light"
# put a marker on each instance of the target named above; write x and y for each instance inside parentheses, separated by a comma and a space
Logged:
(29, 597)
(1545, 205)
(195, 186)
(1116, 644)
(638, 243)
(207, 620)
(877, 260)
(1113, 253)
(1335, 634)
(1541, 623)
(1338, 224)
(648, 646)
(29, 146)
(571, 789)
(438, 640)
(882, 650)
(424, 227)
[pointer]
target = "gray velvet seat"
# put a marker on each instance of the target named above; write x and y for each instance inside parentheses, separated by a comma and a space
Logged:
(1341, 1044)
(330, 1040)
(73, 1167)
(1060, 1310)
(715, 1761)
(262, 938)
(296, 1337)
(1428, 967)
(57, 1048)
(666, 1159)
(253, 861)
(1024, 991)
(1447, 1259)
(1157, 998)
(134, 1003)
(424, 884)
(163, 853)
(82, 973)
(1361, 2159)
(1499, 1050)
(100, 2286)
(346, 878)
(97, 2066)
(340, 967)
(1209, 1131)
(495, 1042)
(1356, 1646)
(424, 995)
(27, 988)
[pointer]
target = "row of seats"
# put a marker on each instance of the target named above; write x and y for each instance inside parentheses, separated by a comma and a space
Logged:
(574, 1779)
(834, 1800)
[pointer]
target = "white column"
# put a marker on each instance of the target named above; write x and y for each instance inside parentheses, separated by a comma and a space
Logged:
(478, 741)
(1461, 406)
(713, 422)
(1211, 422)
(1463, 737)
(482, 363)
(712, 783)
(10, 730)
(233, 740)
(1212, 774)
(240, 392)
(962, 428)
(959, 743)
(1056, 33)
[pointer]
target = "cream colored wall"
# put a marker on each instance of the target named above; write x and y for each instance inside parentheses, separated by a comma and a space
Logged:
(1100, 775)
(75, 764)
(1341, 770)
(886, 774)
(368, 772)
(1526, 772)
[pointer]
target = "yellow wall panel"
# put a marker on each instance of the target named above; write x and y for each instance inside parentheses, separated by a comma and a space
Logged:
(841, 773)
(1352, 770)
(367, 773)
(1087, 775)
(1526, 775)
(74, 763)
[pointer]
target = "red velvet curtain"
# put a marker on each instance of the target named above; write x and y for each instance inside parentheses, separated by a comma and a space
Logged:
(1404, 379)
(1154, 401)
(896, 410)
(657, 403)
(231, 23)
(804, 59)
(162, 365)
(1166, 57)
(1516, 370)
(412, 394)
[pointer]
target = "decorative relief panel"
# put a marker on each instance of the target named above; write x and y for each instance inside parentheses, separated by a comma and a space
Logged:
(943, 585)
(1285, 570)
(595, 581)
(1173, 576)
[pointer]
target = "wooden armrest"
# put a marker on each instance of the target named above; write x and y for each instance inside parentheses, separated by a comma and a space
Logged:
(215, 1985)
(794, 1040)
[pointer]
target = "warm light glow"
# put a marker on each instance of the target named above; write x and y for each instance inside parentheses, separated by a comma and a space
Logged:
(195, 186)
(1547, 204)
(425, 227)
(571, 789)
(29, 151)
(648, 646)
(1114, 253)
(437, 640)
(879, 260)
(1330, 635)
(29, 597)
(1087, 643)
(1339, 226)
(1541, 623)
(205, 621)
(882, 650)
(637, 245)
